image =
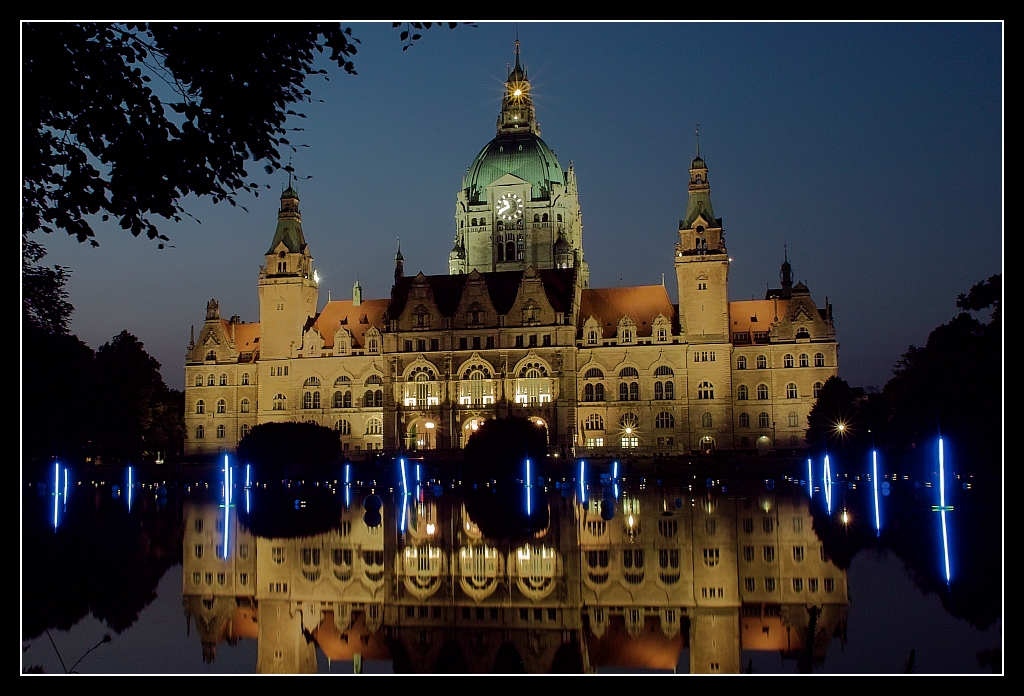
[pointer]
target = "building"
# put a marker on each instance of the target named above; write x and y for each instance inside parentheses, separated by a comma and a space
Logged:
(516, 329)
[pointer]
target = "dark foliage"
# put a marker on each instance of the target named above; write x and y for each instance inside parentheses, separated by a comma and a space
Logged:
(275, 448)
(280, 512)
(44, 293)
(500, 448)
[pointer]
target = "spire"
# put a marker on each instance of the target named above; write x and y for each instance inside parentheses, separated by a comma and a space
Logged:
(289, 222)
(696, 135)
(699, 190)
(786, 274)
(399, 263)
(517, 112)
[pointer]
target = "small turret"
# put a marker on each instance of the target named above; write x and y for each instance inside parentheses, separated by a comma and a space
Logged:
(786, 275)
(357, 294)
(399, 263)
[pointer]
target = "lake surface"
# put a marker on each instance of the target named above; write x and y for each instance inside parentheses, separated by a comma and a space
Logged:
(592, 570)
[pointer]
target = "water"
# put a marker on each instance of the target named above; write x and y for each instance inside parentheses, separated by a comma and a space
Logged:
(650, 575)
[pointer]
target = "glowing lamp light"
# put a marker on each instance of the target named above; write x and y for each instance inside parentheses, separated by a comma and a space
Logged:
(429, 425)
(846, 517)
(629, 431)
(630, 521)
(316, 277)
(518, 93)
(430, 528)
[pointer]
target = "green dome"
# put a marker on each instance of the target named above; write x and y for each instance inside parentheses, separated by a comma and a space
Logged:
(521, 154)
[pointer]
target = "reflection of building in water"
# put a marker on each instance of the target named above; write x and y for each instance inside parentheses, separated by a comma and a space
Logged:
(670, 570)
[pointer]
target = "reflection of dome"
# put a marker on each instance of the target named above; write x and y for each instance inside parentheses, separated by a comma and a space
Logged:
(523, 155)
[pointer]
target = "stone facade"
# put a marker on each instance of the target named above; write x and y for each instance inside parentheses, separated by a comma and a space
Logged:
(516, 329)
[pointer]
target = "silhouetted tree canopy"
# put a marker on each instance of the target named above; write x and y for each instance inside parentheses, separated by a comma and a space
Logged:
(124, 120)
(500, 447)
(273, 447)
(44, 292)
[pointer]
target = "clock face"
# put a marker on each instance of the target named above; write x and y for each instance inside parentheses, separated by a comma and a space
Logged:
(510, 207)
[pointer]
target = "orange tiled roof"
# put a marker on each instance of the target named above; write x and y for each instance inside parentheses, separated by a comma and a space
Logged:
(246, 336)
(754, 315)
(642, 304)
(357, 319)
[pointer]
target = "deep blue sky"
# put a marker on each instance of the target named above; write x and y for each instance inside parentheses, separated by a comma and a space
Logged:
(873, 152)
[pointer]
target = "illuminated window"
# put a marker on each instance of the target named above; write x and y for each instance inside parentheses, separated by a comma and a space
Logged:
(223, 380)
(199, 380)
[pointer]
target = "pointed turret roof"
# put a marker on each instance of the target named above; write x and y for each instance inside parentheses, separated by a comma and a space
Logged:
(289, 223)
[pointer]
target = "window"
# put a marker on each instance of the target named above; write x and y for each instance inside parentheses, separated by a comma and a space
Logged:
(594, 422)
(408, 346)
(598, 392)
(623, 391)
(197, 578)
(669, 391)
(533, 340)
(199, 550)
(591, 338)
(748, 525)
(519, 341)
(794, 419)
(421, 345)
(762, 419)
(768, 524)
(221, 578)
(798, 584)
(588, 392)
(628, 372)
(744, 420)
(662, 334)
(762, 362)
(244, 406)
(769, 554)
(200, 407)
(343, 427)
(629, 421)
(210, 381)
(706, 420)
(769, 584)
(817, 389)
(804, 361)
(368, 398)
(221, 431)
(463, 343)
(787, 360)
(664, 420)
(819, 360)
(200, 432)
(711, 557)
(245, 429)
(243, 579)
(791, 391)
(812, 584)
(705, 390)
(378, 398)
(490, 342)
(798, 553)
(223, 380)
(199, 380)
(634, 391)
(748, 584)
(374, 427)
(741, 363)
(245, 378)
(742, 392)
(279, 402)
(222, 406)
(829, 584)
(748, 554)
(798, 524)
(762, 392)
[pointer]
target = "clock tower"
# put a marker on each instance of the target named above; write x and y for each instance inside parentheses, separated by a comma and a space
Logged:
(517, 208)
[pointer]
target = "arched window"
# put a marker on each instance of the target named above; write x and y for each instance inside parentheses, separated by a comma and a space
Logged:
(343, 427)
(344, 379)
(245, 378)
(200, 432)
(819, 360)
(594, 422)
(223, 380)
(705, 420)
(742, 393)
(744, 420)
(211, 355)
(664, 420)
(817, 389)
(473, 222)
(339, 399)
(662, 334)
(598, 392)
(762, 419)
(559, 218)
(664, 371)
(378, 398)
(279, 402)
(629, 421)
(791, 391)
(591, 338)
(628, 372)
(368, 398)
(373, 379)
(588, 392)
(545, 218)
(245, 429)
(670, 391)
(634, 391)
(244, 406)
(787, 360)
(659, 391)
(804, 360)
(222, 406)
(199, 380)
(536, 217)
(594, 373)
(307, 399)
(741, 363)
(221, 431)
(705, 390)
(312, 382)
(374, 427)
(762, 362)
(794, 419)
(200, 407)
(623, 391)
(210, 381)
(762, 392)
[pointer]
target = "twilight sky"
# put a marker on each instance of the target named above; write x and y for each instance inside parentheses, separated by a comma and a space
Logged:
(872, 152)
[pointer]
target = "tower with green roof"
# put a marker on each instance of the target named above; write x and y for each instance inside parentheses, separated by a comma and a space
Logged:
(517, 207)
(287, 284)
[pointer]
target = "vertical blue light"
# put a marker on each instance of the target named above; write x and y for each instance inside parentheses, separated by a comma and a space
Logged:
(583, 484)
(828, 485)
(942, 508)
(129, 489)
(405, 492)
(348, 488)
(65, 485)
(874, 479)
(810, 480)
(56, 488)
(528, 507)
(418, 479)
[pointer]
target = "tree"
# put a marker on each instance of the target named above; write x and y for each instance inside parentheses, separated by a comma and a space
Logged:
(274, 447)
(45, 306)
(124, 120)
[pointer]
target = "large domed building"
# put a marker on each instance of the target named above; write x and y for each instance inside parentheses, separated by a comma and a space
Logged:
(516, 329)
